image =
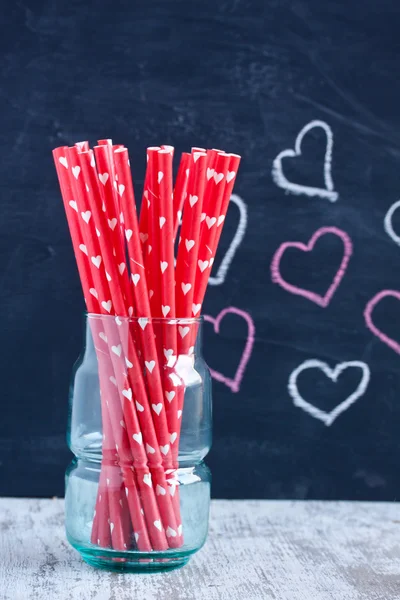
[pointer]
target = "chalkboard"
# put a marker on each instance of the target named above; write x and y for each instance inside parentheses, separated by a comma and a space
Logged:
(302, 331)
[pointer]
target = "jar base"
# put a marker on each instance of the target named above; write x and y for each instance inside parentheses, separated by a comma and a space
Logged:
(131, 562)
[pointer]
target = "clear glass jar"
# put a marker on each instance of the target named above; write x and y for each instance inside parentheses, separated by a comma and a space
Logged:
(137, 491)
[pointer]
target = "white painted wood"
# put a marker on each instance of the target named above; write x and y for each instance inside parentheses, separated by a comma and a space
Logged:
(256, 550)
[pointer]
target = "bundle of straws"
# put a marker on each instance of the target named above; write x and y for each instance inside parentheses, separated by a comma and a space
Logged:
(128, 269)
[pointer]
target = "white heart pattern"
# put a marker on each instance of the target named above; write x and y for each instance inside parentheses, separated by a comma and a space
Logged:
(170, 396)
(94, 293)
(73, 205)
(150, 449)
(147, 479)
(158, 524)
(186, 287)
(135, 278)
(210, 173)
(230, 175)
(127, 393)
(107, 305)
(328, 417)
(121, 189)
(168, 353)
(86, 216)
(139, 407)
(138, 438)
(112, 223)
(218, 177)
(203, 264)
(221, 219)
(76, 171)
(179, 414)
(157, 408)
(189, 244)
(170, 532)
(96, 260)
(192, 200)
(143, 322)
(165, 310)
(108, 277)
(128, 234)
(175, 379)
(113, 380)
(83, 248)
(103, 178)
(160, 491)
(121, 268)
(165, 449)
(173, 437)
(103, 336)
(210, 221)
(160, 176)
(162, 222)
(183, 331)
(196, 308)
(63, 161)
(150, 365)
(163, 265)
(202, 217)
(117, 349)
(143, 237)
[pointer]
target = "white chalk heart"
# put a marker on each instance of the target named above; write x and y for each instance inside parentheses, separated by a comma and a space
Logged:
(218, 177)
(210, 221)
(150, 449)
(165, 449)
(162, 222)
(143, 322)
(158, 524)
(192, 200)
(183, 331)
(143, 237)
(63, 161)
(86, 216)
(128, 234)
(203, 264)
(160, 176)
(135, 278)
(127, 393)
(103, 178)
(160, 491)
(165, 310)
(107, 305)
(186, 287)
(147, 479)
(388, 223)
(210, 173)
(103, 336)
(173, 437)
(328, 417)
(170, 396)
(295, 188)
(117, 349)
(139, 407)
(196, 308)
(230, 175)
(138, 438)
(76, 171)
(94, 293)
(189, 244)
(73, 205)
(83, 248)
(112, 223)
(150, 365)
(157, 408)
(163, 265)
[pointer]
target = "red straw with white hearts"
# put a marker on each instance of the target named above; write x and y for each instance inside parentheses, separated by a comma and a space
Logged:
(180, 188)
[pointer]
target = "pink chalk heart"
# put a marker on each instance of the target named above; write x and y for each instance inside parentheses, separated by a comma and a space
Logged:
(234, 384)
(294, 289)
(371, 325)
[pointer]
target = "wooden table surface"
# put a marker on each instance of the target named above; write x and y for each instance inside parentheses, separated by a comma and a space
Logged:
(256, 550)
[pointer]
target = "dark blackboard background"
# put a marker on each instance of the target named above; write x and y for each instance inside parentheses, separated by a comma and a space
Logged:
(245, 76)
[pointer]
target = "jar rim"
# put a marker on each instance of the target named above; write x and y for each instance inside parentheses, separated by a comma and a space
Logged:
(151, 319)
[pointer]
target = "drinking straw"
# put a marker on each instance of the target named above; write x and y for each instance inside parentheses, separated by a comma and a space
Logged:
(144, 208)
(136, 420)
(180, 189)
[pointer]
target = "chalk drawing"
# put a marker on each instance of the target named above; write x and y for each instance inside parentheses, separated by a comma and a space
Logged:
(388, 225)
(293, 289)
(280, 179)
(234, 384)
(370, 324)
(328, 417)
(235, 243)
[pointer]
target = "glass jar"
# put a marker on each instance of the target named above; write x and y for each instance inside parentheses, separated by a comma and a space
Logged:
(137, 491)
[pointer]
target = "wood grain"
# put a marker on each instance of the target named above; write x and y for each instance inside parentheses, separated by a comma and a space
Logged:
(256, 550)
